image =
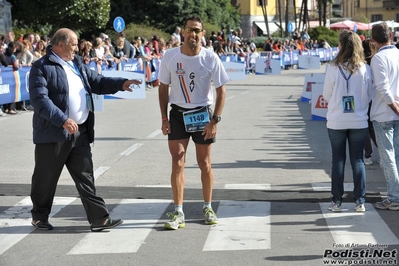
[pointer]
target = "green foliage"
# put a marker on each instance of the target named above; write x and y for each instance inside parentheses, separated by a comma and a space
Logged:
(132, 30)
(50, 15)
(259, 42)
(209, 28)
(168, 14)
(319, 33)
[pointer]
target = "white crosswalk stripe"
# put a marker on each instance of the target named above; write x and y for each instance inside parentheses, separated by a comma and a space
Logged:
(351, 227)
(243, 225)
(15, 222)
(139, 217)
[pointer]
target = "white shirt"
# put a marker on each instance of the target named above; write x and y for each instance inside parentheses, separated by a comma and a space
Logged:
(360, 87)
(78, 110)
(191, 77)
(385, 69)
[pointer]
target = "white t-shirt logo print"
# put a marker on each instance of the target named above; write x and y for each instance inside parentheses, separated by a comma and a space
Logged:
(192, 85)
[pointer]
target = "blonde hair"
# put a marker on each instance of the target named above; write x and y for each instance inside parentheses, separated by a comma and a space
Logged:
(350, 56)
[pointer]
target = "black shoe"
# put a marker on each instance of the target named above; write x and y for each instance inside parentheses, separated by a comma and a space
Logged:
(105, 223)
(42, 225)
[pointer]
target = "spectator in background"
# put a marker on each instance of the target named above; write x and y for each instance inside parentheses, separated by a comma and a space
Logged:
(119, 49)
(155, 45)
(3, 44)
(220, 51)
(84, 51)
(36, 40)
(107, 42)
(40, 49)
(3, 62)
(12, 60)
(10, 37)
(324, 44)
(305, 35)
(23, 53)
(268, 45)
(348, 89)
(385, 111)
(92, 52)
(315, 45)
(99, 49)
(176, 35)
(209, 45)
(162, 46)
(369, 51)
(45, 38)
(126, 44)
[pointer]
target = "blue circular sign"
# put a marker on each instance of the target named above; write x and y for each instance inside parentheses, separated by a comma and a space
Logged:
(354, 28)
(119, 24)
(290, 27)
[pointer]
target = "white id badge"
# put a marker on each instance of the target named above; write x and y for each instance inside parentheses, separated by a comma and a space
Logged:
(196, 120)
(348, 104)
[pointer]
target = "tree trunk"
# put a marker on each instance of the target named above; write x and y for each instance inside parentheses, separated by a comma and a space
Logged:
(264, 10)
(287, 2)
(300, 14)
(295, 12)
(280, 15)
(319, 10)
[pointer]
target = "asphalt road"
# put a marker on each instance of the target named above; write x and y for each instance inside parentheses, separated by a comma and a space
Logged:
(271, 163)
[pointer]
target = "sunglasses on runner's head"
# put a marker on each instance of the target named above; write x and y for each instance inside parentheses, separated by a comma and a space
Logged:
(190, 30)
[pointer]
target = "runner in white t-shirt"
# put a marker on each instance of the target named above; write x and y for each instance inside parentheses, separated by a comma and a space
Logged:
(190, 70)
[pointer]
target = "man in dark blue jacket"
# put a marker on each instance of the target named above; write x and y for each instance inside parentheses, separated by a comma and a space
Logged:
(60, 89)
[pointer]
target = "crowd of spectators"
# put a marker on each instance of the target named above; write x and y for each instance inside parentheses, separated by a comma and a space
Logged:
(102, 50)
(20, 52)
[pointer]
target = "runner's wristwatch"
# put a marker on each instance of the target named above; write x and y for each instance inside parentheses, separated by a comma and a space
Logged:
(217, 118)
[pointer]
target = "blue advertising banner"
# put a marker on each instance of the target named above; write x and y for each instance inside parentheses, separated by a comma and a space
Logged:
(14, 85)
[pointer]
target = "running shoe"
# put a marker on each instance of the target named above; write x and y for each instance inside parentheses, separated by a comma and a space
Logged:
(176, 222)
(210, 216)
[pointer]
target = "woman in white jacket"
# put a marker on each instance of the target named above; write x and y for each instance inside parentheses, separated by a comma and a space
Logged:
(347, 88)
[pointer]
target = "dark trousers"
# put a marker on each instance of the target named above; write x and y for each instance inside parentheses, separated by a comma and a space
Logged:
(50, 159)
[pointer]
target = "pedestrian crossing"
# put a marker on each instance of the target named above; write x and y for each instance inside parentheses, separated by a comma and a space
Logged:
(243, 225)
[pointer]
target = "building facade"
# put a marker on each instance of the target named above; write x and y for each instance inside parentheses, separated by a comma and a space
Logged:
(252, 19)
(373, 10)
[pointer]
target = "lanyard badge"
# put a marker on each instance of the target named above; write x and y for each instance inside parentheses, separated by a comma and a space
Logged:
(348, 102)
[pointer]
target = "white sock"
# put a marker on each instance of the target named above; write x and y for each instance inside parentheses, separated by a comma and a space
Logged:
(207, 205)
(178, 208)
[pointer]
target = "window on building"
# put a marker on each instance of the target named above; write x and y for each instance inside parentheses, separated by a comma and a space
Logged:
(376, 17)
(234, 2)
(261, 2)
(357, 3)
(397, 17)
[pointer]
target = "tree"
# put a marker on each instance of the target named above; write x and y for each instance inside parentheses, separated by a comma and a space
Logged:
(168, 14)
(263, 4)
(322, 8)
(78, 15)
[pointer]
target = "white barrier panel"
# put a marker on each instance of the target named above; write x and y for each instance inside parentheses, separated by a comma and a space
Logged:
(308, 62)
(137, 93)
(235, 70)
(311, 78)
(319, 105)
(98, 101)
(138, 90)
(267, 66)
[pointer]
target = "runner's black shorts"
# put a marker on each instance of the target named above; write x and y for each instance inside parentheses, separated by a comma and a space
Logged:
(178, 130)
